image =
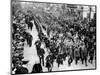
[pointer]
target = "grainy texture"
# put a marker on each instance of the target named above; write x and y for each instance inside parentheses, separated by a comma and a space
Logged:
(49, 37)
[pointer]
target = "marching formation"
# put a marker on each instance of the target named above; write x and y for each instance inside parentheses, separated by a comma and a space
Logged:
(72, 39)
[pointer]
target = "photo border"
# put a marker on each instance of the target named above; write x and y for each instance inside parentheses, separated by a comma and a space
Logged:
(49, 3)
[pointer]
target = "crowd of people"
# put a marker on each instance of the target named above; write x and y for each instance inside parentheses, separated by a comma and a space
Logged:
(72, 39)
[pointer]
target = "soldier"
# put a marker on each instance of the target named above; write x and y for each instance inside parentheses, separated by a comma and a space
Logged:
(71, 55)
(40, 51)
(49, 62)
(28, 38)
(91, 54)
(83, 54)
(59, 59)
(30, 25)
(41, 55)
(76, 55)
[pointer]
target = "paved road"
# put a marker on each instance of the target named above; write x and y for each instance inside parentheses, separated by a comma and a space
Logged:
(30, 52)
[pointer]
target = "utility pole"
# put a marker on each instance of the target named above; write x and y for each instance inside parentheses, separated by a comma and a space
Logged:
(82, 12)
(90, 9)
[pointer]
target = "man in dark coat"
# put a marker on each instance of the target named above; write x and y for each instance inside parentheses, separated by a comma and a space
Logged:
(21, 70)
(37, 68)
(40, 51)
(49, 62)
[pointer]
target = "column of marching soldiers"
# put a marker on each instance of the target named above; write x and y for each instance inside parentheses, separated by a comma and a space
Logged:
(85, 52)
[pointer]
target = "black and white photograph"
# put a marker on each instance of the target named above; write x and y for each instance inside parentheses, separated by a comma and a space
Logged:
(52, 37)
